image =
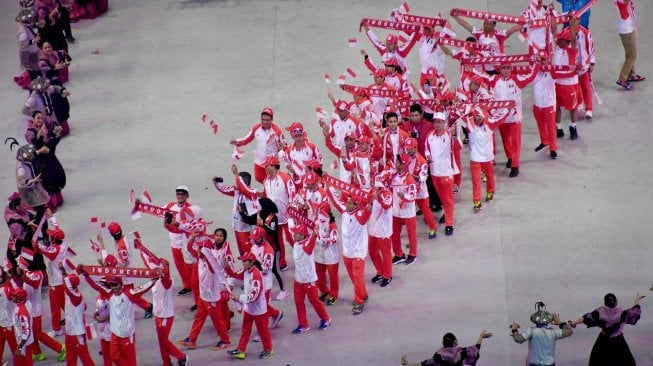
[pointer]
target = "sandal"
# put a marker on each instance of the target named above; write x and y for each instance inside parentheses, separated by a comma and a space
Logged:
(635, 77)
(624, 84)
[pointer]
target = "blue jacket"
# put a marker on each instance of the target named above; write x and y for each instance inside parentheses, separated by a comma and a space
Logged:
(569, 5)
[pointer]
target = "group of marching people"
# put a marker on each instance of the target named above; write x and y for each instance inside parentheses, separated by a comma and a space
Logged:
(396, 158)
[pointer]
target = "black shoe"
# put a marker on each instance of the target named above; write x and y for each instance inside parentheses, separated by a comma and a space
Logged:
(71, 39)
(184, 291)
(553, 154)
(442, 219)
(436, 208)
(148, 312)
(560, 133)
(183, 361)
(418, 213)
(540, 147)
(509, 163)
(324, 296)
(193, 308)
(448, 231)
(231, 314)
(466, 140)
(397, 259)
(410, 260)
(386, 281)
(375, 279)
(573, 133)
(514, 172)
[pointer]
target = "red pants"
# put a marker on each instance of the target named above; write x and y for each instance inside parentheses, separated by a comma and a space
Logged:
(194, 276)
(123, 350)
(140, 301)
(178, 258)
(41, 337)
(423, 204)
(381, 255)
(259, 173)
(488, 168)
(284, 231)
(166, 348)
(213, 310)
(411, 228)
(27, 359)
(76, 347)
(546, 125)
(301, 291)
(242, 240)
(334, 283)
(585, 84)
(262, 328)
(105, 346)
(356, 271)
(511, 138)
(7, 335)
(444, 188)
(57, 302)
(272, 311)
(457, 147)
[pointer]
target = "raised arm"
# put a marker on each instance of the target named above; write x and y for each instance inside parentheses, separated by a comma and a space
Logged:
(463, 23)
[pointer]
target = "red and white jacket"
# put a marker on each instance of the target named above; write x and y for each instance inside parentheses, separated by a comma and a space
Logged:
(510, 89)
(23, 326)
(212, 275)
(430, 54)
(265, 256)
(438, 151)
(32, 282)
(7, 306)
(56, 254)
(74, 312)
(266, 141)
(281, 190)
(496, 40)
(419, 169)
(345, 175)
(327, 250)
(253, 297)
(381, 216)
(567, 57)
(400, 53)
(313, 198)
(121, 310)
(404, 189)
(392, 144)
(586, 52)
(304, 258)
(359, 166)
(183, 214)
(379, 104)
(353, 229)
(481, 138)
(242, 194)
(297, 156)
(340, 127)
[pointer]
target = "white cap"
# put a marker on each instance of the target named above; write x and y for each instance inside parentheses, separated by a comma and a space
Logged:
(182, 188)
(440, 115)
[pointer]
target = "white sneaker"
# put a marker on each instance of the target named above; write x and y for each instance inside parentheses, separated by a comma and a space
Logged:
(257, 338)
(55, 333)
(588, 115)
(282, 295)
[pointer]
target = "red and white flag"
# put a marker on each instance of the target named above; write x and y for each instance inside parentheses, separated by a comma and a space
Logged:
(91, 331)
(353, 42)
(335, 164)
(131, 196)
(145, 196)
(94, 222)
(351, 73)
(321, 113)
(94, 246)
(27, 253)
(327, 78)
(211, 122)
(404, 8)
(341, 80)
(237, 154)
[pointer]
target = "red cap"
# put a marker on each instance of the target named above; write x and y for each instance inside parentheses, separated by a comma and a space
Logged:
(364, 139)
(56, 233)
(410, 143)
(404, 158)
(350, 135)
(359, 91)
(72, 280)
(477, 80)
(342, 105)
(268, 111)
(310, 178)
(249, 256)
(14, 196)
(114, 228)
(295, 127)
(256, 233)
(115, 279)
(299, 229)
(313, 164)
(391, 62)
(432, 73)
(271, 160)
(19, 294)
(564, 35)
(110, 261)
(324, 209)
(379, 73)
(391, 39)
(448, 95)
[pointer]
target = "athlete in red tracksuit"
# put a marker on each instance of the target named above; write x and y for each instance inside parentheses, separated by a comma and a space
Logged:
(7, 308)
(183, 213)
(23, 328)
(380, 232)
(76, 342)
(327, 254)
(419, 169)
(265, 256)
(56, 254)
(404, 189)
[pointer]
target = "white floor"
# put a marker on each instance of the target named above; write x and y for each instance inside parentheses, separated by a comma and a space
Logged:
(564, 232)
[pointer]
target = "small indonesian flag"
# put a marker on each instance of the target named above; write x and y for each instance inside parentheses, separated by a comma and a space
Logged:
(341, 80)
(402, 39)
(334, 165)
(27, 253)
(94, 222)
(95, 246)
(447, 30)
(321, 113)
(103, 226)
(327, 78)
(8, 266)
(91, 331)
(70, 252)
(404, 7)
(131, 196)
(353, 42)
(22, 263)
(145, 196)
(237, 154)
(211, 122)
(351, 73)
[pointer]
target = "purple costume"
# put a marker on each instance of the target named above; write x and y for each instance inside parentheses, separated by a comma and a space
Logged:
(454, 356)
(610, 348)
